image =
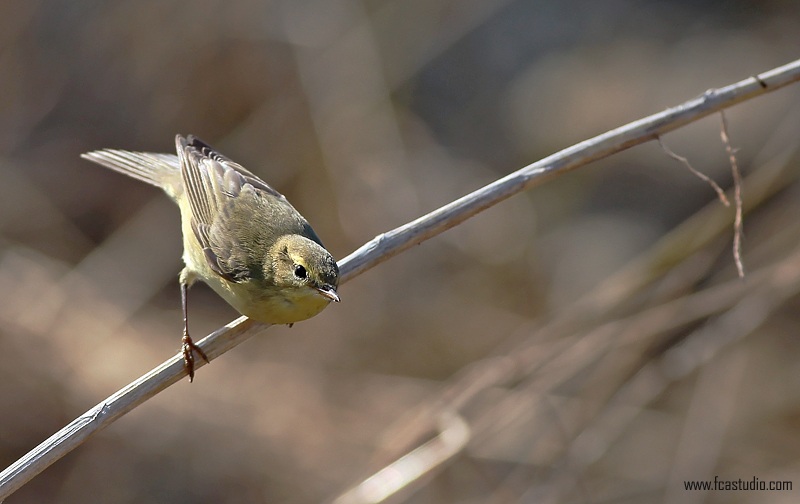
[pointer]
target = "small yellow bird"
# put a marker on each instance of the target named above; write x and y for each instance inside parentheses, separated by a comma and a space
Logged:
(240, 236)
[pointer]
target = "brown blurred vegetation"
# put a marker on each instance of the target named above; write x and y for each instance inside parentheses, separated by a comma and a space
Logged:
(625, 356)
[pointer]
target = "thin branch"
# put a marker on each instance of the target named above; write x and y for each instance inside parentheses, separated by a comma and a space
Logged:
(702, 176)
(737, 195)
(389, 244)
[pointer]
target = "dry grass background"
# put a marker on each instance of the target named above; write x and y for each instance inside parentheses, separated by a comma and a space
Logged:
(625, 355)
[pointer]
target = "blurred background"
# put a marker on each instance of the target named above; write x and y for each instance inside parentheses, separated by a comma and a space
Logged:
(586, 341)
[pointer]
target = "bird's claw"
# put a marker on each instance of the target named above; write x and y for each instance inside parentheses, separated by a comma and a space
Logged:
(188, 347)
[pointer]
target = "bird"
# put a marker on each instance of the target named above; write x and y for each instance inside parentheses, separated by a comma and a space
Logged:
(240, 236)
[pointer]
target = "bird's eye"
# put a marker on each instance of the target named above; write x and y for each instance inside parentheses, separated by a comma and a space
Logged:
(300, 271)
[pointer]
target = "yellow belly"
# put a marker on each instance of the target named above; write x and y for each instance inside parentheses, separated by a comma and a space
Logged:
(270, 304)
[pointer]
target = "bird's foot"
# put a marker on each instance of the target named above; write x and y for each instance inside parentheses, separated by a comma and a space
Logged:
(188, 347)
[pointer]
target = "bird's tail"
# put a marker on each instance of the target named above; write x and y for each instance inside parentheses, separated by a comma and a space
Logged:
(160, 170)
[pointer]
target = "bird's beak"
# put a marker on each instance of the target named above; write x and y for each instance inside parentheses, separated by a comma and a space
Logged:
(328, 291)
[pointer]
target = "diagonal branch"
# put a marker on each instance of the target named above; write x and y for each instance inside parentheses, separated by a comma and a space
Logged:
(394, 242)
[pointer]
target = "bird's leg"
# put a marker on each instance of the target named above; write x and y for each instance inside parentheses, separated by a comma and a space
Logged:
(188, 346)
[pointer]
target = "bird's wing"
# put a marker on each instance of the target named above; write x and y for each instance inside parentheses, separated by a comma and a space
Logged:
(212, 182)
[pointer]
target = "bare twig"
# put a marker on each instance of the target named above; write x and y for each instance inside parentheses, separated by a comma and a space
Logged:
(737, 195)
(389, 244)
(702, 176)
